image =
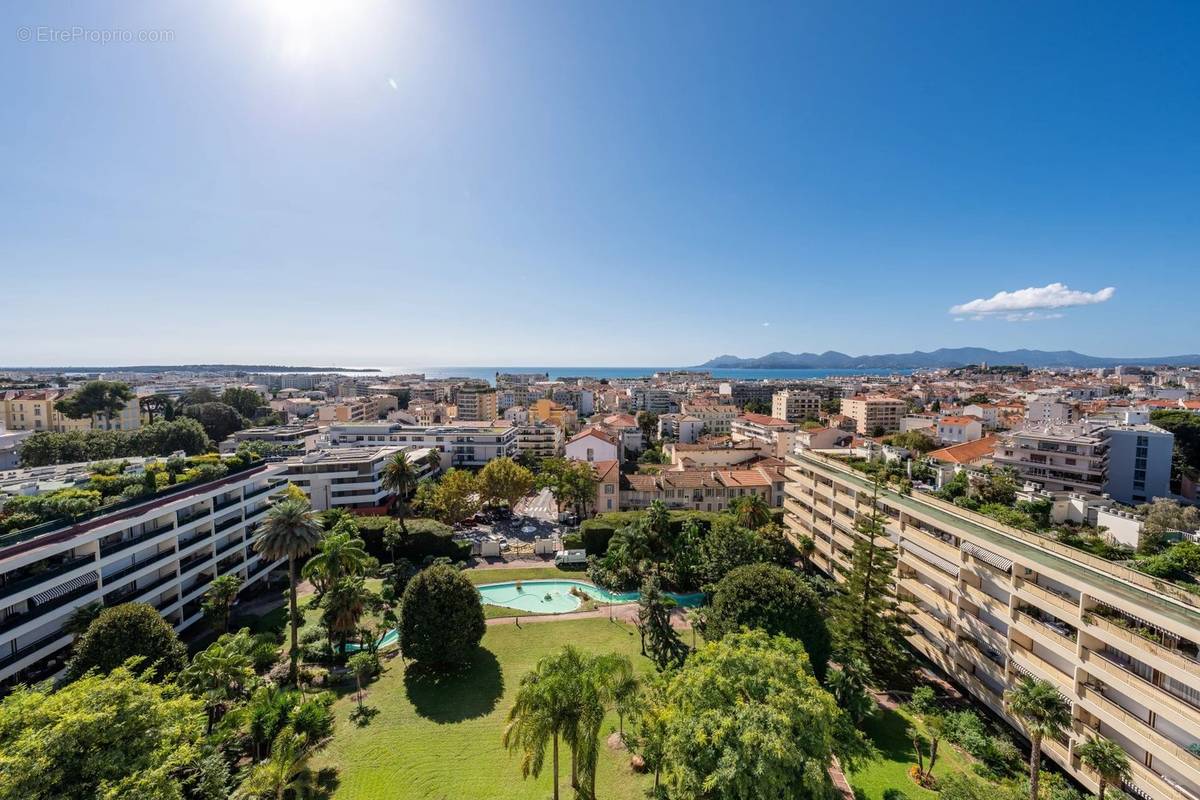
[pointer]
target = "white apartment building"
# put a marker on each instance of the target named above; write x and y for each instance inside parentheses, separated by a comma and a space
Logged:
(680, 428)
(352, 477)
(1060, 457)
(468, 444)
(657, 401)
(164, 551)
(778, 436)
(1048, 408)
(795, 406)
(1139, 463)
(989, 604)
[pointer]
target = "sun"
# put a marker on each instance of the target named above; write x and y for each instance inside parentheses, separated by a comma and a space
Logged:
(316, 33)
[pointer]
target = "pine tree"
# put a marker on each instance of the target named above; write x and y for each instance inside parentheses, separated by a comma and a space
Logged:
(865, 620)
(654, 623)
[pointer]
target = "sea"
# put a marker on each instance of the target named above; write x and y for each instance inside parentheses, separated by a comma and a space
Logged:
(489, 373)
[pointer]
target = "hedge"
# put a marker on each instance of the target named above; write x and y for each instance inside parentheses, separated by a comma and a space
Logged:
(597, 531)
(426, 538)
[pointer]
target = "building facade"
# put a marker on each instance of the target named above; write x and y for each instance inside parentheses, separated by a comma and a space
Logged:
(352, 477)
(989, 604)
(477, 404)
(164, 551)
(874, 413)
(795, 406)
(466, 444)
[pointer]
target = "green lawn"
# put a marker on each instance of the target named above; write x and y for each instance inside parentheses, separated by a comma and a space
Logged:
(481, 575)
(440, 740)
(887, 730)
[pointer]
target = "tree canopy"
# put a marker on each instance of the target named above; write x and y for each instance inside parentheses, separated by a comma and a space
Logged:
(503, 480)
(772, 599)
(441, 619)
(745, 718)
(127, 631)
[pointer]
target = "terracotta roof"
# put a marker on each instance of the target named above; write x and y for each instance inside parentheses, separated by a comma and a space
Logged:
(599, 433)
(966, 420)
(605, 471)
(621, 421)
(966, 453)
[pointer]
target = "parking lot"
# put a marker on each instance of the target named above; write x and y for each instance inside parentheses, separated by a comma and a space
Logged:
(535, 517)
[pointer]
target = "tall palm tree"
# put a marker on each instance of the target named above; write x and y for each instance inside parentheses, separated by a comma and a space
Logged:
(535, 721)
(218, 600)
(285, 771)
(751, 511)
(399, 478)
(341, 555)
(1107, 758)
(1043, 712)
(291, 530)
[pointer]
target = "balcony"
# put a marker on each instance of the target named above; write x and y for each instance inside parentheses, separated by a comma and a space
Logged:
(132, 568)
(1046, 634)
(1141, 732)
(1039, 667)
(226, 524)
(199, 537)
(918, 589)
(229, 547)
(975, 628)
(29, 649)
(1048, 600)
(221, 505)
(116, 547)
(1108, 669)
(934, 544)
(15, 620)
(1128, 636)
(248, 493)
(192, 516)
(38, 578)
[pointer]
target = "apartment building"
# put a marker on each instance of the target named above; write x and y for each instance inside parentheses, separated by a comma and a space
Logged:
(680, 428)
(873, 414)
(352, 477)
(164, 551)
(35, 411)
(956, 430)
(795, 405)
(717, 418)
(359, 409)
(1062, 457)
(777, 435)
(468, 444)
(656, 401)
(477, 404)
(539, 440)
(701, 489)
(1048, 408)
(1139, 463)
(298, 436)
(990, 604)
(546, 410)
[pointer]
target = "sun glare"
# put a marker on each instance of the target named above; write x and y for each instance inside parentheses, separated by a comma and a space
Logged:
(310, 33)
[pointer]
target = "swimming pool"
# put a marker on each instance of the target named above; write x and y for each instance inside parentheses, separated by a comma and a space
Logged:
(548, 597)
(560, 596)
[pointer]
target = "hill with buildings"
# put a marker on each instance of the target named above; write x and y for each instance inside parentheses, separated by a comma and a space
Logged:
(942, 358)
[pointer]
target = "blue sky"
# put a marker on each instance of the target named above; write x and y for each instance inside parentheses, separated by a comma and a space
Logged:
(596, 183)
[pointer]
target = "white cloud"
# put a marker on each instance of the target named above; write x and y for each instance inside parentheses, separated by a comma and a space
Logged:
(392, 83)
(1027, 305)
(766, 324)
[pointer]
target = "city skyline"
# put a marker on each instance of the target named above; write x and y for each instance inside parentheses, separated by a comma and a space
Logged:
(543, 184)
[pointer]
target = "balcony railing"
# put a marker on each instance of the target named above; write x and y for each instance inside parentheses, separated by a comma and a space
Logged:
(38, 578)
(220, 505)
(116, 547)
(199, 537)
(247, 494)
(31, 648)
(192, 516)
(230, 546)
(132, 568)
(14, 620)
(1150, 737)
(226, 524)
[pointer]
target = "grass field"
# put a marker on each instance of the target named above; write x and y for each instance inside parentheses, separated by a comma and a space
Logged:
(440, 740)
(887, 730)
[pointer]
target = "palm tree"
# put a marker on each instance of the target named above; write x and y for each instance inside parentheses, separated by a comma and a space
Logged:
(1107, 758)
(79, 620)
(1043, 712)
(434, 460)
(544, 707)
(620, 685)
(218, 600)
(341, 555)
(219, 673)
(290, 531)
(399, 478)
(285, 771)
(344, 604)
(751, 511)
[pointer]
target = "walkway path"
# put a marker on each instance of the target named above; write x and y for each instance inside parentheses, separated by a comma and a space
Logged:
(625, 612)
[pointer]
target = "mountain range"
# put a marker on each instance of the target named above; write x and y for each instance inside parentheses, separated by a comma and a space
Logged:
(942, 358)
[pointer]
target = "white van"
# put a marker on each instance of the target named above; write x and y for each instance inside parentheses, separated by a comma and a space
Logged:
(570, 557)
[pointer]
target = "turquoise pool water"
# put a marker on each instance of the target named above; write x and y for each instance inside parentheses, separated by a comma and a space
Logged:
(548, 597)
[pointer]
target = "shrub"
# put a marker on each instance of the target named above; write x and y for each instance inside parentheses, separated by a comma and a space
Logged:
(441, 621)
(425, 538)
(127, 631)
(573, 541)
(894, 794)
